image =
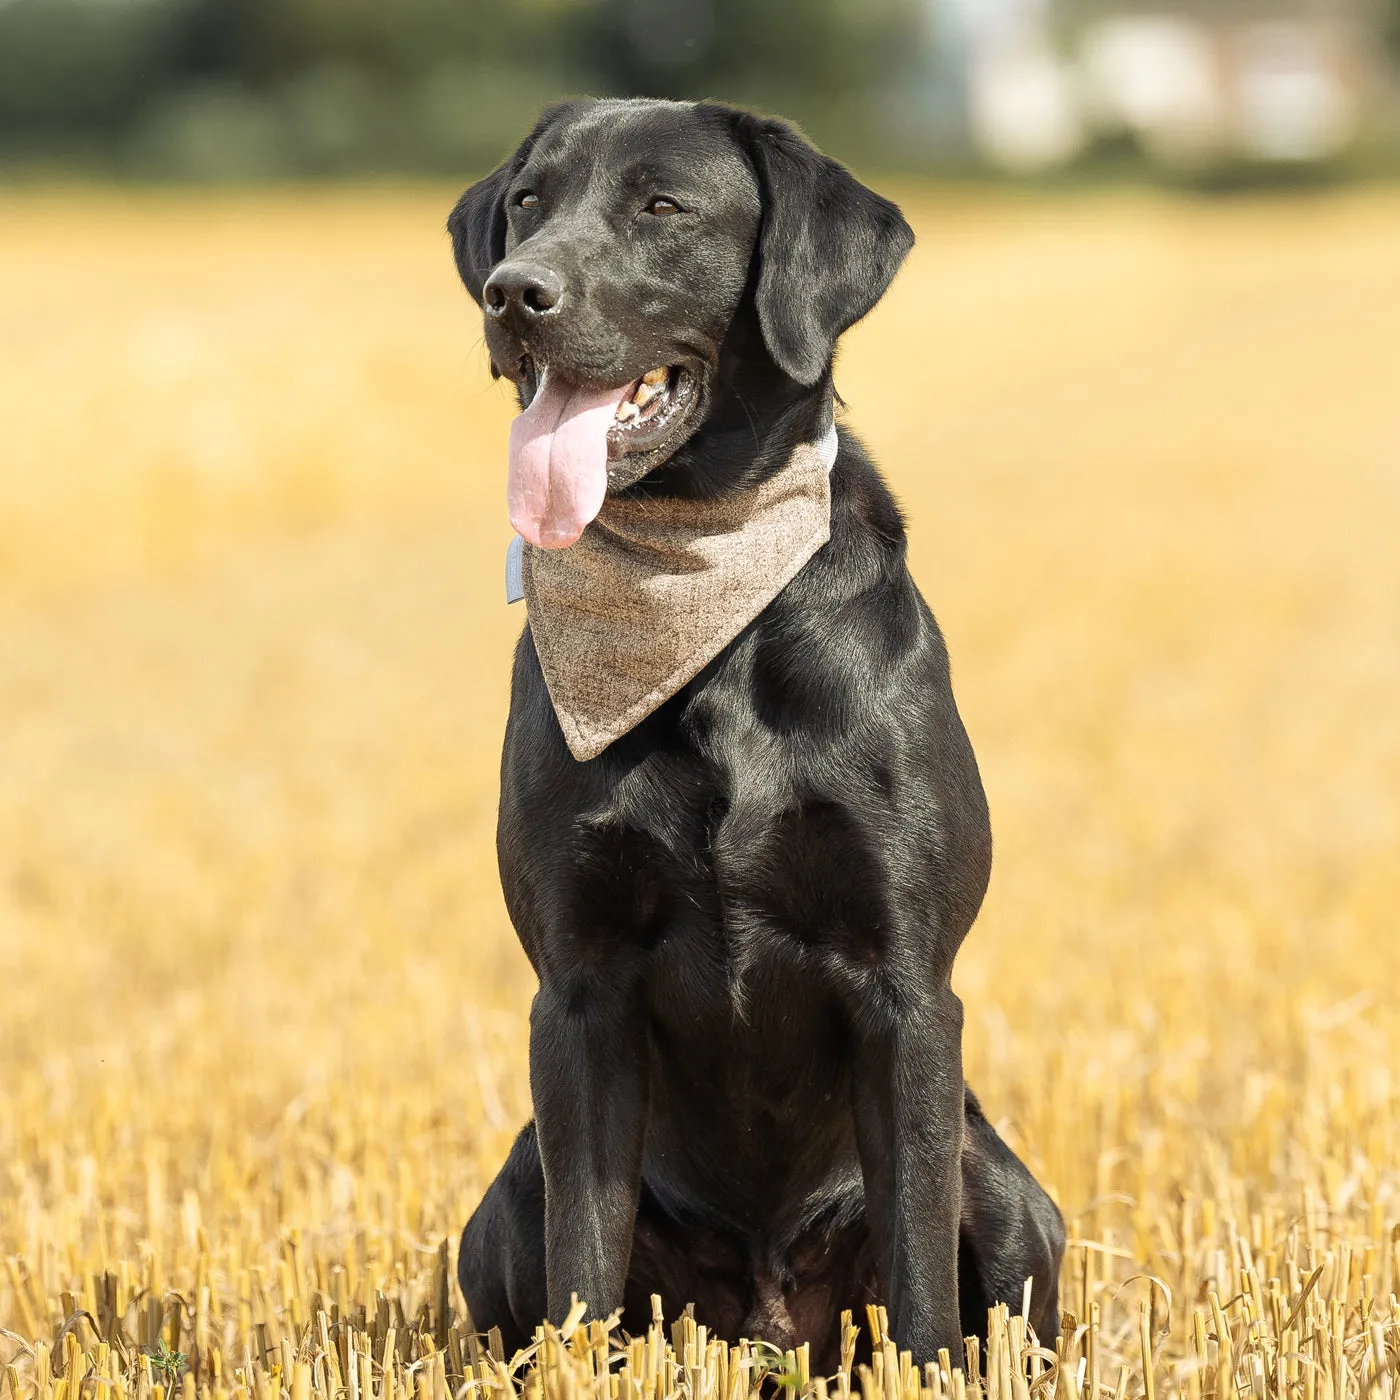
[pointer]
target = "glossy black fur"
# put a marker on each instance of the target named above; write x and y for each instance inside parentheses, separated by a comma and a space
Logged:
(745, 1053)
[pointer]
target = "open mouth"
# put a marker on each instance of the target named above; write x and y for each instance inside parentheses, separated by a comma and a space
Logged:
(574, 440)
(659, 396)
(648, 407)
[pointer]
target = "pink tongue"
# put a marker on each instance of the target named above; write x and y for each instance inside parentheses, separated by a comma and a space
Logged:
(559, 460)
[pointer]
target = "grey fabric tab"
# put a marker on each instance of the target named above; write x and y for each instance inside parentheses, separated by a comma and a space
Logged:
(515, 574)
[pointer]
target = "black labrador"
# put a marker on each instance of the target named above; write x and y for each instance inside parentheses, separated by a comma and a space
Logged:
(745, 1051)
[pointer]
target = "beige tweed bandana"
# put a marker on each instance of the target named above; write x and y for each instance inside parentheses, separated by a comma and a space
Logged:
(654, 589)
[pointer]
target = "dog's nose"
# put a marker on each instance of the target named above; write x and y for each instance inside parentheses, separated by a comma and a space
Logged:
(528, 288)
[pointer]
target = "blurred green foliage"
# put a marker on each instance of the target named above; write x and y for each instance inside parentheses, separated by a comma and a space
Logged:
(250, 89)
(232, 89)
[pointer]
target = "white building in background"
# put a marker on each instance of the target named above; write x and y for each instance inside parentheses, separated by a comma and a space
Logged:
(1022, 108)
(1194, 84)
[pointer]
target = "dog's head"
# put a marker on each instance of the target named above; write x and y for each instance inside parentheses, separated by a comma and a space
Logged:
(614, 253)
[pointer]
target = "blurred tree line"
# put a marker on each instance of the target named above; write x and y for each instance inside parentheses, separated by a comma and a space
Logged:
(247, 88)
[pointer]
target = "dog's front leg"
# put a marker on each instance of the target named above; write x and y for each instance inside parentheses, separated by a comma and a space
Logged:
(588, 1077)
(909, 1125)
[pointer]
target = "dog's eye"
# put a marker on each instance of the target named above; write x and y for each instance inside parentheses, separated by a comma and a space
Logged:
(663, 207)
(528, 199)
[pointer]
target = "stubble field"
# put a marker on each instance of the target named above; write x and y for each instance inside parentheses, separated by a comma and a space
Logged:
(264, 1019)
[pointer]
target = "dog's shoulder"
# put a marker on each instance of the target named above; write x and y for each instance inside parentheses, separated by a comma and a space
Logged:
(855, 605)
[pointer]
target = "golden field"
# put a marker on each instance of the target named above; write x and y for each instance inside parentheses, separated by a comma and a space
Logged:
(264, 1028)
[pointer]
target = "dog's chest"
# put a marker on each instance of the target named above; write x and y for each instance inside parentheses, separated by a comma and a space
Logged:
(765, 857)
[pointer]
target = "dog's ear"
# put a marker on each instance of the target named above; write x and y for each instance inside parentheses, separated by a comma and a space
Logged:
(828, 247)
(477, 224)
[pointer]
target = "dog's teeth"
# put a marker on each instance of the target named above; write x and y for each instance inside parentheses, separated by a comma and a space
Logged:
(655, 376)
(627, 412)
(645, 394)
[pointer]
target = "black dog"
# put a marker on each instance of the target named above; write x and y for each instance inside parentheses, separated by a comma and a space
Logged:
(745, 1052)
